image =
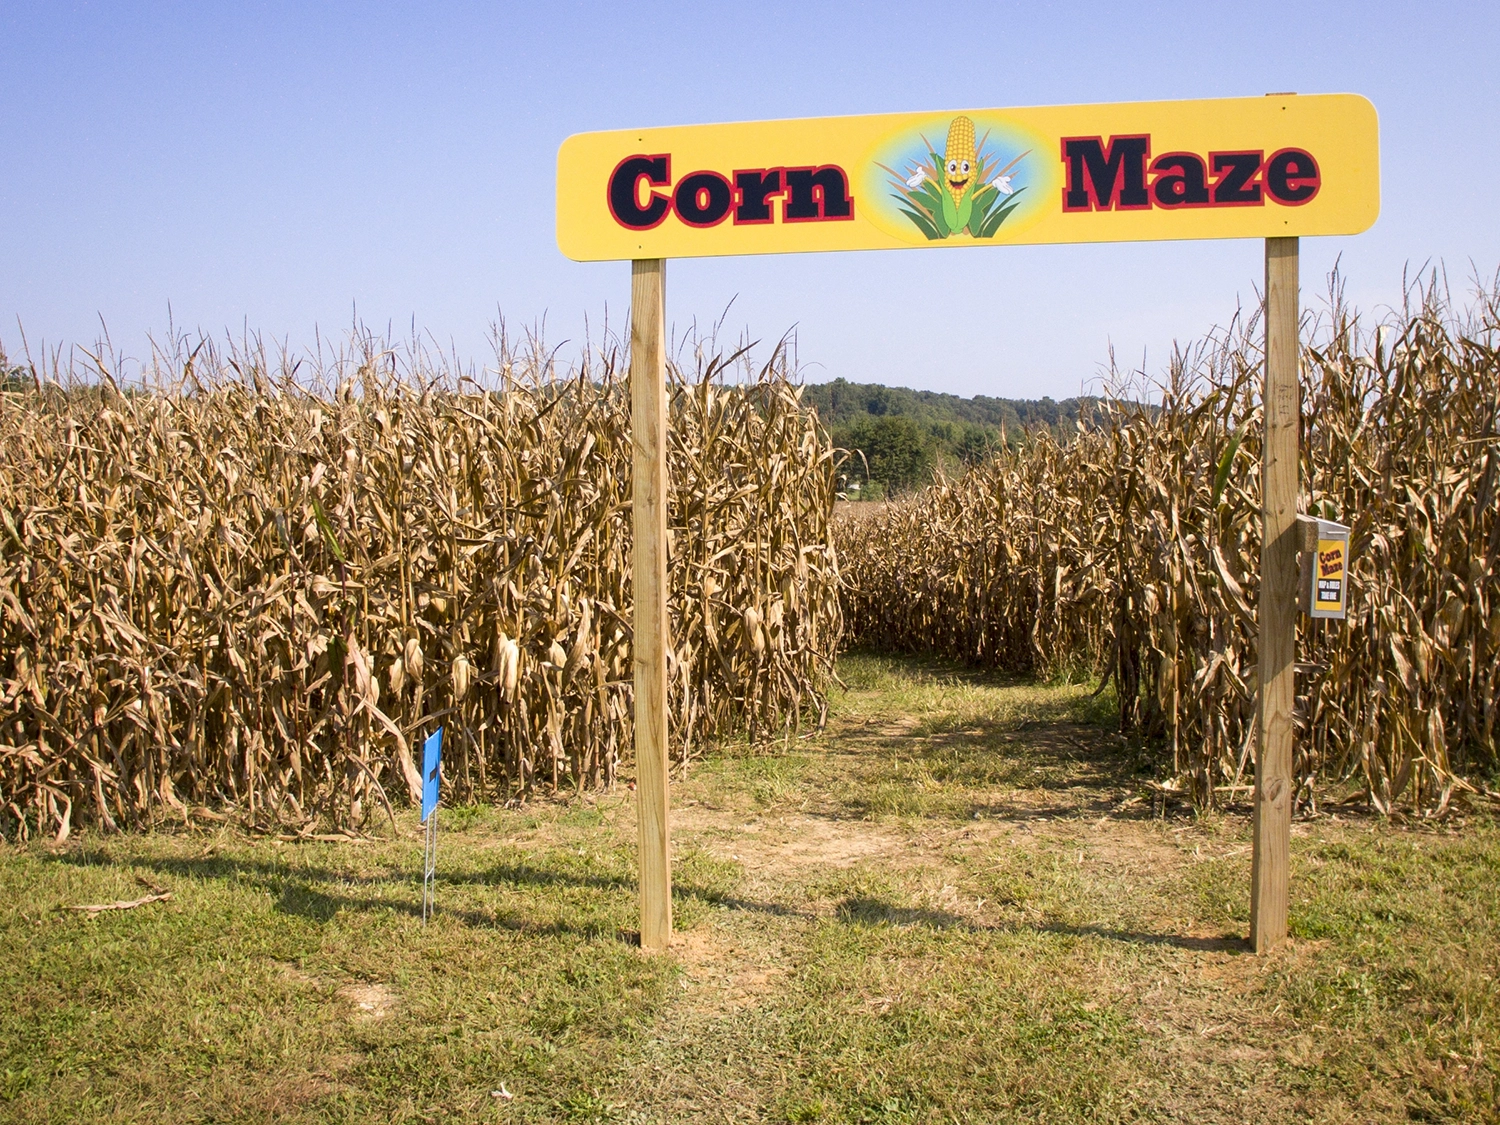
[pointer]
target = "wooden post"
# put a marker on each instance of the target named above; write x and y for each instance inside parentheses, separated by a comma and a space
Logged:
(1270, 867)
(648, 427)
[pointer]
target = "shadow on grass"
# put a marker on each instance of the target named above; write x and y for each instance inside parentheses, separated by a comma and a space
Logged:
(872, 666)
(1136, 937)
(303, 891)
(1076, 770)
(1047, 746)
(866, 910)
(306, 893)
(869, 911)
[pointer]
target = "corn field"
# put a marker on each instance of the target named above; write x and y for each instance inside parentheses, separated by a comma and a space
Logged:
(243, 589)
(1132, 550)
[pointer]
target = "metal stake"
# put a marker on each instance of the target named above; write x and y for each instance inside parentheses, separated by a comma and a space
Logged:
(429, 866)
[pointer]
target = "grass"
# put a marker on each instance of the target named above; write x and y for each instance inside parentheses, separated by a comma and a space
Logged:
(954, 905)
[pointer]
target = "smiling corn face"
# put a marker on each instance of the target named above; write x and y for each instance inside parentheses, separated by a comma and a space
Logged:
(959, 175)
(959, 158)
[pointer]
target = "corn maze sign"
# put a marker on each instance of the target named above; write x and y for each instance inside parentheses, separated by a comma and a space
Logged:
(1278, 168)
(1270, 167)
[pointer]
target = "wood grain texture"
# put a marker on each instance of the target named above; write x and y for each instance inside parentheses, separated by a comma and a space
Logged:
(1270, 867)
(648, 411)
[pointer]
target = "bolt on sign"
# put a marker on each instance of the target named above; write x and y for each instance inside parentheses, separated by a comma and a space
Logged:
(1269, 167)
(1279, 168)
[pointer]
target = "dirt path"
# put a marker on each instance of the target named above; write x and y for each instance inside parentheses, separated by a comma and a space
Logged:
(894, 820)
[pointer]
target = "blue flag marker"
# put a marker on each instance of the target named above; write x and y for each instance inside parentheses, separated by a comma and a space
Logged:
(432, 777)
(432, 765)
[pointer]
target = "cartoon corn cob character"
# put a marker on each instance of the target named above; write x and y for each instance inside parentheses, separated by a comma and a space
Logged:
(959, 177)
(959, 158)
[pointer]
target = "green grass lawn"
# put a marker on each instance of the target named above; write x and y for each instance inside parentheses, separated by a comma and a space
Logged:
(954, 905)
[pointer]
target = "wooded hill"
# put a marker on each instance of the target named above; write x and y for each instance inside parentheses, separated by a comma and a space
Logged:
(904, 434)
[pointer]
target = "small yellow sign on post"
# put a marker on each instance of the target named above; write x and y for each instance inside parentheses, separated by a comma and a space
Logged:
(1328, 594)
(1324, 586)
(1271, 167)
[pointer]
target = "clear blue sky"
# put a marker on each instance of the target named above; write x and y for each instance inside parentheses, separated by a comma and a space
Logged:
(279, 165)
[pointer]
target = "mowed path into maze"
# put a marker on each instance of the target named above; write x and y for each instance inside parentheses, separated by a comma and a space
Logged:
(957, 903)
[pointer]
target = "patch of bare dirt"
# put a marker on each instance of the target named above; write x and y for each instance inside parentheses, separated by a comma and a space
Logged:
(784, 841)
(722, 972)
(371, 1001)
(296, 976)
(900, 727)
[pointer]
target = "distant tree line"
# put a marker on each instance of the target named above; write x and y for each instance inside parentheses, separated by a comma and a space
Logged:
(13, 377)
(898, 436)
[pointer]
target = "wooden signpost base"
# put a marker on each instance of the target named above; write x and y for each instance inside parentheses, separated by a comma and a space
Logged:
(1271, 865)
(648, 425)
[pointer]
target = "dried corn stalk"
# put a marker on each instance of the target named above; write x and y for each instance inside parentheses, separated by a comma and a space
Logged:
(240, 585)
(1132, 550)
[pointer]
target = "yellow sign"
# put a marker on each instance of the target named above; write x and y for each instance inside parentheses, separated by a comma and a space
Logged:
(1328, 579)
(1229, 168)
